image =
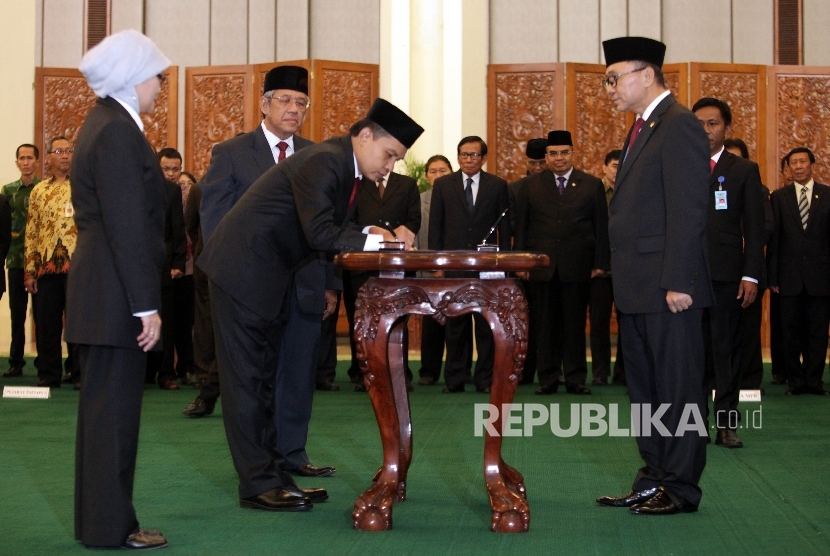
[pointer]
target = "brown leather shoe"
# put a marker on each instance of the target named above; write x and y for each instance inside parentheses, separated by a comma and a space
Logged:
(145, 539)
(169, 384)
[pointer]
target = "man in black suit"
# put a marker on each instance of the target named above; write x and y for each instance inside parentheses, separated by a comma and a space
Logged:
(799, 270)
(235, 165)
(464, 206)
(657, 229)
(390, 202)
(562, 212)
(735, 232)
(297, 209)
(535, 153)
(113, 291)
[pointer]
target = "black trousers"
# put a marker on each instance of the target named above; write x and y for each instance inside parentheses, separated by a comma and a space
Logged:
(664, 362)
(458, 335)
(18, 304)
(777, 351)
(531, 358)
(106, 445)
(204, 345)
(183, 310)
(160, 363)
(247, 348)
(601, 299)
(294, 390)
(752, 362)
(722, 335)
(327, 353)
(49, 304)
(804, 322)
(619, 360)
(564, 307)
(432, 348)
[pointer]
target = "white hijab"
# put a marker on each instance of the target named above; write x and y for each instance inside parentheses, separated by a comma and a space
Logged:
(120, 62)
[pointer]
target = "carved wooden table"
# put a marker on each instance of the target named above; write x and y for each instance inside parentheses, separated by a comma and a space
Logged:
(378, 329)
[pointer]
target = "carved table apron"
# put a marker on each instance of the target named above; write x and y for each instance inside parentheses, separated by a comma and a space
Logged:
(378, 330)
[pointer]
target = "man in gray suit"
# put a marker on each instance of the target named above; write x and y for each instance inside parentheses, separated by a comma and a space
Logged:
(657, 231)
(234, 166)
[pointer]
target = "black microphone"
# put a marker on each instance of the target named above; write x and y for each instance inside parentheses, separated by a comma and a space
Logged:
(493, 229)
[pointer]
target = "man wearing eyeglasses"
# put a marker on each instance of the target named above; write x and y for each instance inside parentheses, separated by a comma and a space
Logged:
(234, 165)
(464, 206)
(657, 229)
(51, 236)
(562, 213)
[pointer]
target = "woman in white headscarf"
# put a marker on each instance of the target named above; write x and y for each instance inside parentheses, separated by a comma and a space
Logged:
(113, 291)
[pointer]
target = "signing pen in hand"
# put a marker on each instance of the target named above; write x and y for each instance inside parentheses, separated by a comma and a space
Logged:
(391, 231)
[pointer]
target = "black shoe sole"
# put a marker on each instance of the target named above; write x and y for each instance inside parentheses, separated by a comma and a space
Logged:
(253, 506)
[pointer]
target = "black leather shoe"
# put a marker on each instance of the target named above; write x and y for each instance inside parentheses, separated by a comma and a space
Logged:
(779, 379)
(409, 387)
(199, 408)
(283, 499)
(627, 500)
(578, 389)
(68, 379)
(328, 386)
(426, 381)
(453, 389)
(309, 470)
(360, 387)
(145, 540)
(817, 390)
(548, 388)
(728, 439)
(485, 390)
(662, 504)
(48, 383)
(313, 494)
(599, 383)
(13, 371)
(795, 391)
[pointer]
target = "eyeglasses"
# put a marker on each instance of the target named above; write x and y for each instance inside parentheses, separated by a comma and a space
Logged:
(302, 104)
(610, 81)
(61, 151)
(161, 77)
(554, 154)
(471, 156)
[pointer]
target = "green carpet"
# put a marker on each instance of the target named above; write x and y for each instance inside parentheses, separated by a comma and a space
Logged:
(771, 497)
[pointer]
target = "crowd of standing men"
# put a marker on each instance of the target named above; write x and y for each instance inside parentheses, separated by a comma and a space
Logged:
(248, 296)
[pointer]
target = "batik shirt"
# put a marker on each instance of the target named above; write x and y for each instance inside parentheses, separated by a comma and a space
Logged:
(51, 234)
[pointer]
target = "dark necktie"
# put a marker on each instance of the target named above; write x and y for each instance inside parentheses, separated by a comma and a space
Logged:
(381, 188)
(282, 145)
(561, 186)
(635, 132)
(353, 196)
(468, 193)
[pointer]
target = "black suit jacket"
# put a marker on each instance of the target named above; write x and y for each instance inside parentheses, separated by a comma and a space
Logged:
(5, 234)
(800, 258)
(175, 240)
(452, 227)
(119, 196)
(234, 165)
(400, 205)
(571, 229)
(736, 234)
(297, 208)
(657, 221)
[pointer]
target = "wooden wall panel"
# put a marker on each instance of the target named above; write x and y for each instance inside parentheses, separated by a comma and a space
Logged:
(217, 107)
(677, 80)
(63, 99)
(524, 101)
(799, 116)
(596, 126)
(743, 88)
(342, 93)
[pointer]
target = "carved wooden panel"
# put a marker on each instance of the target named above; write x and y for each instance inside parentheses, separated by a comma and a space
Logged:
(595, 124)
(343, 92)
(677, 81)
(217, 107)
(63, 99)
(743, 88)
(799, 116)
(524, 101)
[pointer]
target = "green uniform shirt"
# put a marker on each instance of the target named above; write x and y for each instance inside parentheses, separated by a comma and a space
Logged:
(18, 196)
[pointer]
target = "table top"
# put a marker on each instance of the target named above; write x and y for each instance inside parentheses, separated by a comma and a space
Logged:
(478, 261)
